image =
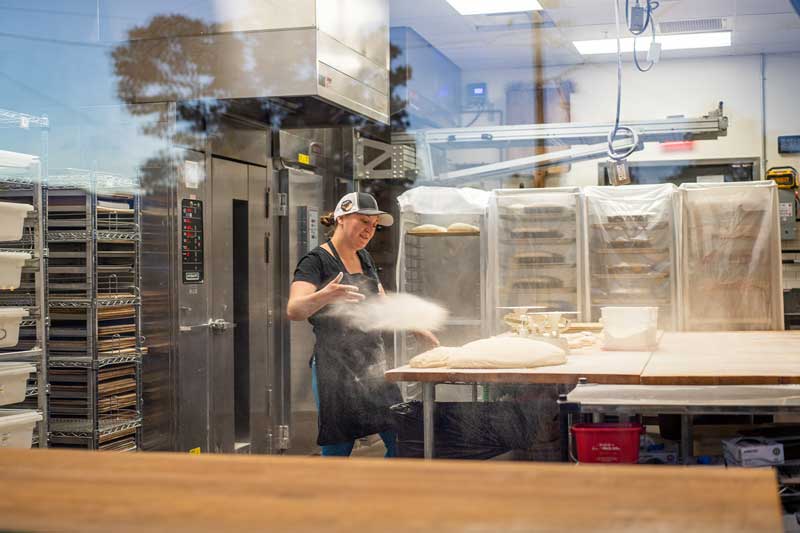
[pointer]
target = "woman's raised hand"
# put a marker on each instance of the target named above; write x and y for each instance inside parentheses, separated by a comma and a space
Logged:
(336, 292)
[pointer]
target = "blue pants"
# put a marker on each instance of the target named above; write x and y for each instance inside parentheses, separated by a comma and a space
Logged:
(343, 449)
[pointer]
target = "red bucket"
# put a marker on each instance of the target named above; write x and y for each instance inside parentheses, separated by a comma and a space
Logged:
(607, 443)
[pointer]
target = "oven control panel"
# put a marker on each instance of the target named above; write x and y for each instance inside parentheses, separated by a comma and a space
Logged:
(192, 241)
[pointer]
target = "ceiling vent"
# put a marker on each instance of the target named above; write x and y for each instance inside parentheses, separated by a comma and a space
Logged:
(693, 25)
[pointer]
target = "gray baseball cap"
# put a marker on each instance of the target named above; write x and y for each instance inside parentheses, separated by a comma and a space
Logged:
(364, 204)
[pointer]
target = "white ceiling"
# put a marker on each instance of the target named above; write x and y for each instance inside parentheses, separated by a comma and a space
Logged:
(759, 26)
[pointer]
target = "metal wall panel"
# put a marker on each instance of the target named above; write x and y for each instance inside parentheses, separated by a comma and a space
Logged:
(260, 305)
(304, 190)
(159, 304)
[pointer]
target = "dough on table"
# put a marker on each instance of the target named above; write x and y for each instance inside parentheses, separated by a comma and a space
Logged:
(507, 352)
(494, 352)
(428, 228)
(435, 358)
(462, 227)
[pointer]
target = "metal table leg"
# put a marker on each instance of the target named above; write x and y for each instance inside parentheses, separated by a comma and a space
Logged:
(687, 439)
(565, 416)
(428, 404)
(564, 421)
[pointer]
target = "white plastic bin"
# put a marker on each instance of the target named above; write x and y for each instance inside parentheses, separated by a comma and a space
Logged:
(12, 219)
(16, 427)
(630, 328)
(11, 264)
(10, 318)
(13, 381)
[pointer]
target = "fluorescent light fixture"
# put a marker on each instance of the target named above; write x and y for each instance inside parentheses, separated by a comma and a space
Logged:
(488, 7)
(680, 41)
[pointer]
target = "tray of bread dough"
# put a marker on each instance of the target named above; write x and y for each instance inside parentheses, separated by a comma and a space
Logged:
(644, 276)
(629, 226)
(459, 229)
(541, 212)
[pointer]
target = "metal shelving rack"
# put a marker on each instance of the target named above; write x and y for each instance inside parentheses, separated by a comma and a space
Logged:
(96, 345)
(447, 267)
(731, 257)
(535, 260)
(32, 292)
(631, 237)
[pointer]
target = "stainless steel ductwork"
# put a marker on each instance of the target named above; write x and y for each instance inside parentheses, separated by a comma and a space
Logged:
(327, 58)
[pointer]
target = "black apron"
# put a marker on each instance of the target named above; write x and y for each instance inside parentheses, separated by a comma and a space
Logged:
(354, 397)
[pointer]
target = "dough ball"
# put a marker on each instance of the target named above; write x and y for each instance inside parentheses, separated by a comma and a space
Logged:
(507, 352)
(428, 228)
(462, 227)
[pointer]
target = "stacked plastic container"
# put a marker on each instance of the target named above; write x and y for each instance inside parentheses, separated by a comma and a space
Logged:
(20, 355)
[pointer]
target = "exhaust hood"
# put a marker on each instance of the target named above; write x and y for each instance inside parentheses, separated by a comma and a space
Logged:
(321, 54)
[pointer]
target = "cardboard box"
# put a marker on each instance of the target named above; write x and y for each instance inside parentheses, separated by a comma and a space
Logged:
(752, 451)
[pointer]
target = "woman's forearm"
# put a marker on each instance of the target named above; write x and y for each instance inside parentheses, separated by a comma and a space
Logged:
(302, 307)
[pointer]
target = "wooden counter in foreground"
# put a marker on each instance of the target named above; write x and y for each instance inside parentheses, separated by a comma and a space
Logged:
(91, 491)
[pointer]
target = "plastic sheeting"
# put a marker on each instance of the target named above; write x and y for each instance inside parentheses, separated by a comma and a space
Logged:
(533, 242)
(444, 267)
(443, 200)
(731, 257)
(658, 395)
(631, 249)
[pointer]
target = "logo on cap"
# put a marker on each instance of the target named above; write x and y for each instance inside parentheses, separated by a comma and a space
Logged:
(347, 205)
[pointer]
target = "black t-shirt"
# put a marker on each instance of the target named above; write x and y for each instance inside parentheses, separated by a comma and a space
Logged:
(319, 267)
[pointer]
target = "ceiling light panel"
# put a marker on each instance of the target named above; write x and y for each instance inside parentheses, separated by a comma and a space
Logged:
(668, 42)
(487, 7)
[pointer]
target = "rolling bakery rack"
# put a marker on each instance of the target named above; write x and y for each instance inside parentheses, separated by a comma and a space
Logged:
(95, 341)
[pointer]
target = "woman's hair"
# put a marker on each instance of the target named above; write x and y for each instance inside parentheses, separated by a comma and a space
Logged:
(327, 220)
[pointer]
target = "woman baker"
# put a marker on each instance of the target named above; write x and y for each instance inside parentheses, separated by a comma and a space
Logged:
(347, 365)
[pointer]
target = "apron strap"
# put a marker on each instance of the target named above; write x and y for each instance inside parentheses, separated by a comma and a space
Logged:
(338, 258)
(336, 255)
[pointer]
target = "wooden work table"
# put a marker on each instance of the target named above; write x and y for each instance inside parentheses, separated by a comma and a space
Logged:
(718, 358)
(100, 491)
(725, 358)
(598, 366)
(682, 358)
